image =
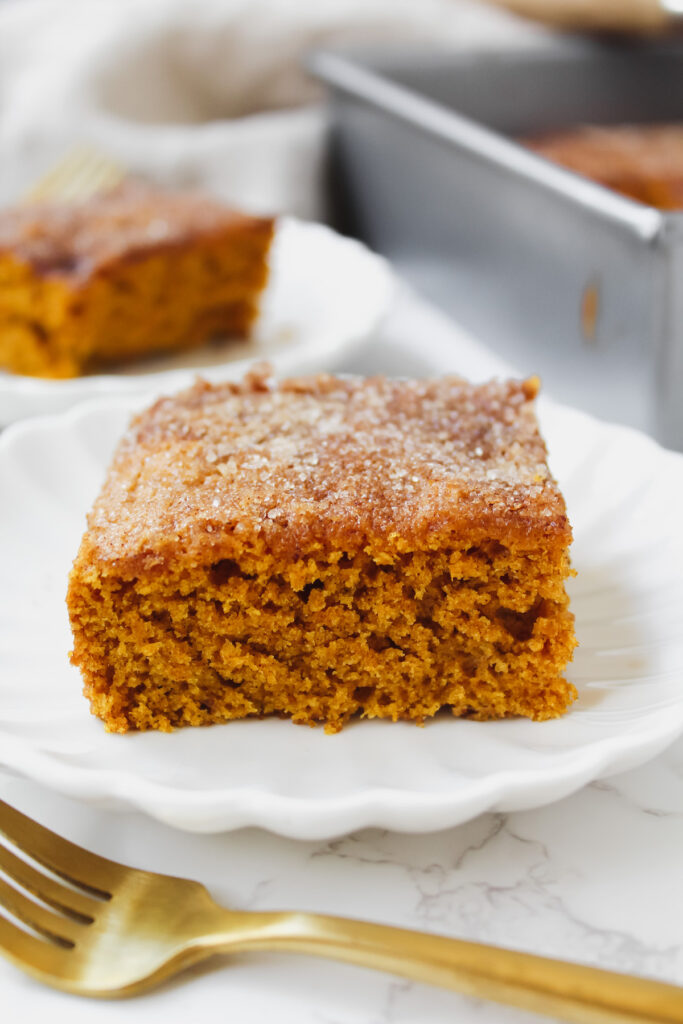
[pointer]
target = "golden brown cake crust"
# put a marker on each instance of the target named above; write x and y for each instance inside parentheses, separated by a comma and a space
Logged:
(76, 240)
(324, 463)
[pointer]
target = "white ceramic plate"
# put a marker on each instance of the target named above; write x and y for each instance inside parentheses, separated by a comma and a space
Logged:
(624, 495)
(325, 294)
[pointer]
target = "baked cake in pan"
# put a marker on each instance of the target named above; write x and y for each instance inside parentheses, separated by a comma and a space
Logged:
(325, 548)
(643, 162)
(127, 273)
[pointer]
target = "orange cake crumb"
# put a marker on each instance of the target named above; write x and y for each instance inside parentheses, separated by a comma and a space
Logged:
(325, 548)
(128, 273)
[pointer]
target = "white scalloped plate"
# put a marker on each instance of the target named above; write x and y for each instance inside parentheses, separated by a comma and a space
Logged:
(624, 495)
(307, 320)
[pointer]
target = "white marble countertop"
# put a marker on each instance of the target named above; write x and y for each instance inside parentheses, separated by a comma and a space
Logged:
(595, 877)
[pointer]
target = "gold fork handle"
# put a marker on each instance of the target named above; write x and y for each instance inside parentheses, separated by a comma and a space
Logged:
(572, 992)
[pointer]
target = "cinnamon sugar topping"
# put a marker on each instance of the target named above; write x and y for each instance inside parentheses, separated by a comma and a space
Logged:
(331, 462)
(73, 240)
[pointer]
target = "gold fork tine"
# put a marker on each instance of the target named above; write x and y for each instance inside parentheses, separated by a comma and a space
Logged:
(91, 176)
(66, 901)
(83, 172)
(87, 870)
(58, 929)
(44, 958)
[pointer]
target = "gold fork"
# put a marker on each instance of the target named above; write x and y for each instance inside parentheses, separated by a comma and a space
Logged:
(96, 928)
(83, 172)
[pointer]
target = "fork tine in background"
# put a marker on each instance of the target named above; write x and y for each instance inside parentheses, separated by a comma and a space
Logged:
(94, 174)
(82, 173)
(47, 922)
(80, 867)
(67, 901)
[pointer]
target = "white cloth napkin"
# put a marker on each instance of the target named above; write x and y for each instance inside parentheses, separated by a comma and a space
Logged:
(208, 92)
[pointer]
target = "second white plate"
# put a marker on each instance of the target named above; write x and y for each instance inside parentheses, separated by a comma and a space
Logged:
(624, 495)
(325, 294)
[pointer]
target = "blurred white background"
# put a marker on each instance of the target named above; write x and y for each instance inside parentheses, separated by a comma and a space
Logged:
(208, 92)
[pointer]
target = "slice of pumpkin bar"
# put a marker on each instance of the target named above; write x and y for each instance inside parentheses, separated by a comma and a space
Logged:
(326, 548)
(127, 274)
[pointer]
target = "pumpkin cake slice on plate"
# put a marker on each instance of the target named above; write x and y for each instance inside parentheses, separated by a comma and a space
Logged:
(128, 273)
(324, 548)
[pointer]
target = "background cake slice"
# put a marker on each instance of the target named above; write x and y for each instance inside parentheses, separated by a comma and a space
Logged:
(324, 548)
(128, 273)
(642, 161)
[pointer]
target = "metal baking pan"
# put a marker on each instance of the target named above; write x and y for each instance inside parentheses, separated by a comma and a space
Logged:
(559, 275)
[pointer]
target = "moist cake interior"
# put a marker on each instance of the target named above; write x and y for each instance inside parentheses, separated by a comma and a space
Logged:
(483, 629)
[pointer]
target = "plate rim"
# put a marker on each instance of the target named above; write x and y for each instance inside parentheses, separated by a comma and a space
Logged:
(320, 818)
